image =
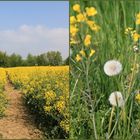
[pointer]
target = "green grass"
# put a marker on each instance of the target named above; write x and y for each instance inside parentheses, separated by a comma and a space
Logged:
(110, 43)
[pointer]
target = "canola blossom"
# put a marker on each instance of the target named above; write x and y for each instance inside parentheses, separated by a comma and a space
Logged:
(91, 11)
(138, 18)
(138, 97)
(46, 91)
(76, 7)
(3, 100)
(82, 28)
(2, 77)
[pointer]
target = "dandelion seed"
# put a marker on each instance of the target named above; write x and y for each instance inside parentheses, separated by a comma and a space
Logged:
(112, 67)
(116, 99)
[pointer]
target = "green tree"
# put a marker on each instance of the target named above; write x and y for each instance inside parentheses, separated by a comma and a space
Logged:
(15, 60)
(66, 61)
(31, 60)
(3, 59)
(54, 58)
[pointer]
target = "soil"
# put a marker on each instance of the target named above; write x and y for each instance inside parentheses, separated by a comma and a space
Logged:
(17, 123)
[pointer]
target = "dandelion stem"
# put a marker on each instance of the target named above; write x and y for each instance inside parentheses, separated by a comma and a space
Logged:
(110, 121)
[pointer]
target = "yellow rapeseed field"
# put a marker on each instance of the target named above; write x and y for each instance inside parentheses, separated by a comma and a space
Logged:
(46, 92)
(2, 95)
(2, 77)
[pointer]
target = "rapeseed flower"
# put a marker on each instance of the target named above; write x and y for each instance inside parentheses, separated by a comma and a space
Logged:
(87, 40)
(138, 18)
(82, 53)
(136, 37)
(73, 30)
(91, 11)
(91, 52)
(72, 20)
(78, 58)
(80, 17)
(137, 97)
(76, 8)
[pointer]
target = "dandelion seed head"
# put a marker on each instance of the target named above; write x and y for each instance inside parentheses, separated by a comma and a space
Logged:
(116, 98)
(112, 67)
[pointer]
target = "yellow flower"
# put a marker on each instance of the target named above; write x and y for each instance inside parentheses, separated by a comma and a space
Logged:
(82, 53)
(73, 30)
(93, 25)
(76, 7)
(90, 23)
(95, 28)
(60, 105)
(91, 52)
(138, 97)
(47, 108)
(87, 40)
(91, 11)
(50, 95)
(73, 41)
(128, 30)
(72, 20)
(138, 21)
(138, 15)
(78, 58)
(80, 17)
(138, 18)
(65, 125)
(136, 36)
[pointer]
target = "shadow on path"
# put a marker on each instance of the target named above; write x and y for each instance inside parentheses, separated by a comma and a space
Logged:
(17, 123)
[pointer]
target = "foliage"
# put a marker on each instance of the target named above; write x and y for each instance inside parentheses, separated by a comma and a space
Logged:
(52, 58)
(46, 92)
(97, 34)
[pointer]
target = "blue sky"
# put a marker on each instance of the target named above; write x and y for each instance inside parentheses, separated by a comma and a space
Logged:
(49, 16)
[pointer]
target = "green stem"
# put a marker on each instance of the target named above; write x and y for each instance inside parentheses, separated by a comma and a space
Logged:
(113, 129)
(132, 77)
(87, 72)
(110, 121)
(88, 86)
(130, 113)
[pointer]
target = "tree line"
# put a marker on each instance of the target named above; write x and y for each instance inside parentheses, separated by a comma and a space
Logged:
(51, 58)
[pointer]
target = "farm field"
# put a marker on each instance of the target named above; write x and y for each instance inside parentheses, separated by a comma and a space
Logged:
(105, 69)
(43, 93)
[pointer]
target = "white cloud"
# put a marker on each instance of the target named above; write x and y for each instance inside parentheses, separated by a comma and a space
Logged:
(34, 39)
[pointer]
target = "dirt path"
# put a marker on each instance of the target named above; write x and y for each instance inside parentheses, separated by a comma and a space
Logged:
(17, 124)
